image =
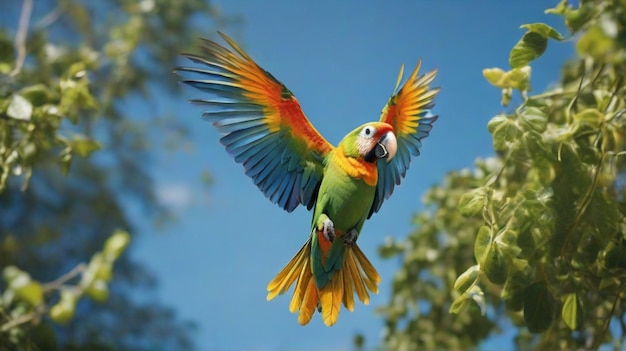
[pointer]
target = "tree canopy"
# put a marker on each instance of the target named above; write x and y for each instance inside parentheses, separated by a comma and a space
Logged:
(73, 158)
(533, 237)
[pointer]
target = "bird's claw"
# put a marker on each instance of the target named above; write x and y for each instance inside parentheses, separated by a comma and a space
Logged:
(328, 229)
(350, 237)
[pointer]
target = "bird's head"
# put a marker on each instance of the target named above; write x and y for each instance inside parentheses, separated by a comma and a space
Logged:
(371, 142)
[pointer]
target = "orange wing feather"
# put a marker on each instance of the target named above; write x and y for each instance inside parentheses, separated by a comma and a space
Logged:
(263, 124)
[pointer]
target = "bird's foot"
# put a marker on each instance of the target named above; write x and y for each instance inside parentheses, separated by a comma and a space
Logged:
(328, 229)
(350, 237)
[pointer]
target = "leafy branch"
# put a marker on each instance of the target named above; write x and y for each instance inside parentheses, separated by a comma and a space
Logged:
(27, 301)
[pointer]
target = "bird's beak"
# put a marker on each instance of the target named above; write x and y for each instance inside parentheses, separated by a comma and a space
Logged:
(386, 147)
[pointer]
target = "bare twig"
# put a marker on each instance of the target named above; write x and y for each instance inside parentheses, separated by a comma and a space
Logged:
(57, 283)
(49, 18)
(20, 37)
(25, 318)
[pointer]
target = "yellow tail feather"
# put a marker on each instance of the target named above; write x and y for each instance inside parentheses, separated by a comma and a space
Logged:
(331, 296)
(372, 278)
(355, 273)
(309, 303)
(357, 276)
(303, 282)
(283, 280)
(348, 289)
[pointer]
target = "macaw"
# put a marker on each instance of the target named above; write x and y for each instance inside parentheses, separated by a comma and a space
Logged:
(265, 130)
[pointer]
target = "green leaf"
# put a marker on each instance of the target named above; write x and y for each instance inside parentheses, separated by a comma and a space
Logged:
(535, 145)
(459, 304)
(477, 295)
(544, 30)
(83, 146)
(483, 239)
(496, 264)
(572, 312)
(10, 272)
(116, 244)
(466, 279)
(37, 94)
(560, 9)
(543, 170)
(27, 289)
(517, 78)
(532, 118)
(105, 271)
(20, 108)
(594, 43)
(495, 76)
(472, 203)
(504, 130)
(538, 307)
(98, 291)
(531, 46)
(577, 18)
(513, 292)
(63, 311)
(590, 116)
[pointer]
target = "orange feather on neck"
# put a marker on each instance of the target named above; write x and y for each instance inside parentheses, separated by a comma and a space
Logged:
(356, 168)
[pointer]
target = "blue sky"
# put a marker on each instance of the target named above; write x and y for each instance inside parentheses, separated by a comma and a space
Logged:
(341, 60)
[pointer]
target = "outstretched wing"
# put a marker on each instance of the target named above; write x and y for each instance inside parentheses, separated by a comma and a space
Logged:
(408, 111)
(263, 125)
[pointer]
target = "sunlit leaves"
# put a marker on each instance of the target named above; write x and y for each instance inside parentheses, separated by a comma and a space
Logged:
(472, 202)
(467, 279)
(517, 78)
(547, 222)
(533, 44)
(594, 43)
(504, 131)
(67, 290)
(68, 100)
(116, 244)
(63, 311)
(571, 311)
(23, 286)
(19, 108)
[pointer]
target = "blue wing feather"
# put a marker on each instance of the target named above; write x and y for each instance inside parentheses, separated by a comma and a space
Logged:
(404, 109)
(243, 98)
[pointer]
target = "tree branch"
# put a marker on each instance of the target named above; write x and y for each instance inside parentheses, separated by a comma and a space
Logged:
(21, 35)
(57, 283)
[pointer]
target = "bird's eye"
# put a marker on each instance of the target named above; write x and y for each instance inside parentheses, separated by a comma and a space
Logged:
(367, 131)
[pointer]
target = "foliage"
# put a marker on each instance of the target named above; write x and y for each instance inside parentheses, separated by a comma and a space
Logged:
(26, 300)
(536, 235)
(74, 157)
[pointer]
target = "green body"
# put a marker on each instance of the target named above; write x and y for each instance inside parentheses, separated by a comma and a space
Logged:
(346, 201)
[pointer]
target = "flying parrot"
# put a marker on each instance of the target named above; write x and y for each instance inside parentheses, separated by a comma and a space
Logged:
(265, 130)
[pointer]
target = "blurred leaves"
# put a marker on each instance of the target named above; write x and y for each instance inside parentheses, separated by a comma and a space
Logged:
(75, 154)
(37, 296)
(535, 234)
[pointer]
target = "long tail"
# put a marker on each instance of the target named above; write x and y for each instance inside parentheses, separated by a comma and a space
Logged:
(356, 276)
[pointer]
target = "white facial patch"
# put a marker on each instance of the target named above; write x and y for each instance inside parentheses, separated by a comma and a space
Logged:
(364, 141)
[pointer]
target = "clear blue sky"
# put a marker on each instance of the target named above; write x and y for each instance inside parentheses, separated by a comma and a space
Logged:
(341, 60)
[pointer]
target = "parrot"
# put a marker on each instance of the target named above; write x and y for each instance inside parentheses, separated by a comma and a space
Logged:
(263, 128)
